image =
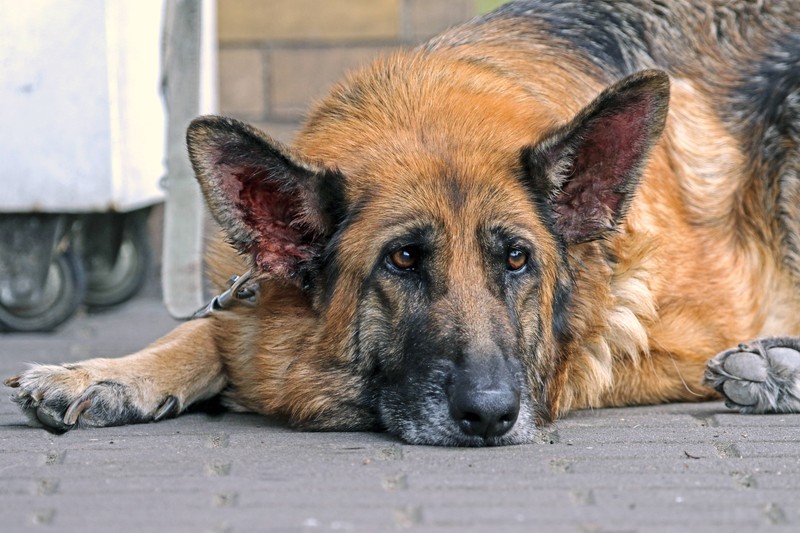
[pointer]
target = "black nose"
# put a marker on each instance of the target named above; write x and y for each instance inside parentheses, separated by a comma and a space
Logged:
(485, 413)
(484, 397)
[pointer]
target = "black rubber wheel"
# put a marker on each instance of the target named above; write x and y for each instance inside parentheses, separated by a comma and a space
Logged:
(64, 291)
(109, 285)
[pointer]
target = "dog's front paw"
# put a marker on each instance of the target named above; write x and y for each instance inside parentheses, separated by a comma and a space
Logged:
(62, 397)
(762, 376)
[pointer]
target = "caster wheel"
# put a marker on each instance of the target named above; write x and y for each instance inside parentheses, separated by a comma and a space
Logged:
(111, 283)
(62, 295)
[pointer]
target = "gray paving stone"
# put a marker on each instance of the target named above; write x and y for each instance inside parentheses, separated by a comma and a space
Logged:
(673, 468)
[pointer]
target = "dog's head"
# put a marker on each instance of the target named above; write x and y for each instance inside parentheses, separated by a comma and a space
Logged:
(431, 227)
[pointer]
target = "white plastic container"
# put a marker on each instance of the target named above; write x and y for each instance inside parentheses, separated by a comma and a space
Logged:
(82, 123)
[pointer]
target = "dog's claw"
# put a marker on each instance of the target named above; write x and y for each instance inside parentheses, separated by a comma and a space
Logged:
(168, 409)
(76, 408)
(12, 382)
(51, 420)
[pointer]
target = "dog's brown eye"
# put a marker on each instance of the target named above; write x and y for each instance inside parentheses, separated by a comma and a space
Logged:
(405, 258)
(516, 259)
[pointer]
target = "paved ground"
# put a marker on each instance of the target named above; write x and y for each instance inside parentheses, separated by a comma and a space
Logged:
(668, 468)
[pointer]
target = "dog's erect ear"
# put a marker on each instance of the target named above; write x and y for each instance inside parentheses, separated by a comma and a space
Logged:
(274, 206)
(587, 170)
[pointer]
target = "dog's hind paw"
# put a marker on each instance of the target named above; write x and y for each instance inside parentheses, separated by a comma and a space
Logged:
(63, 397)
(762, 376)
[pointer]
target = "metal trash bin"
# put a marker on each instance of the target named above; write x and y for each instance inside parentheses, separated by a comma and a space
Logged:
(82, 151)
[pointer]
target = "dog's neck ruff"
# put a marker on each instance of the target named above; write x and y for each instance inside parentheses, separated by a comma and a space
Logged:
(237, 291)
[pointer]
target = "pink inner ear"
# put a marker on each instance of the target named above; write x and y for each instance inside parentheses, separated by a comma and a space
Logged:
(607, 155)
(273, 216)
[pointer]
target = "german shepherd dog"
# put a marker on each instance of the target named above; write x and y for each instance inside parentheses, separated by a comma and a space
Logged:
(555, 206)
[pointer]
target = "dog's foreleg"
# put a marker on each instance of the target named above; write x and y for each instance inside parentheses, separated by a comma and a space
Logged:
(155, 383)
(762, 376)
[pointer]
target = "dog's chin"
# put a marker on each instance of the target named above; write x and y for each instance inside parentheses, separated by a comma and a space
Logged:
(437, 437)
(430, 424)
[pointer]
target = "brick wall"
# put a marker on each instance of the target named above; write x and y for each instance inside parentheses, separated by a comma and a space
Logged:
(277, 56)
